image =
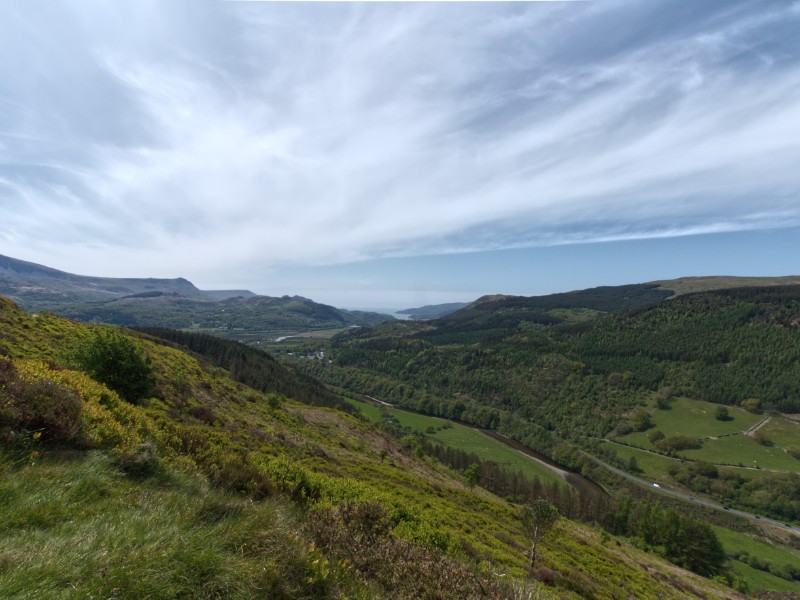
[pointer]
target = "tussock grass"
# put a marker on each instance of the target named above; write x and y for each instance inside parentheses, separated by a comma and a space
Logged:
(78, 527)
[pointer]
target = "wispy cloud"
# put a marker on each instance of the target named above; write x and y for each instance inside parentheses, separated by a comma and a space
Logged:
(177, 140)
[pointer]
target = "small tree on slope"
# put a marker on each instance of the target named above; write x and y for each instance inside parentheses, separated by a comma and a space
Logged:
(538, 518)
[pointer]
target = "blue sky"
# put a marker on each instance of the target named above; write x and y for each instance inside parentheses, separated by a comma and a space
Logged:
(394, 154)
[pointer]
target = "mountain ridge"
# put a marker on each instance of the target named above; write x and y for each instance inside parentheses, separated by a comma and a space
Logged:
(174, 303)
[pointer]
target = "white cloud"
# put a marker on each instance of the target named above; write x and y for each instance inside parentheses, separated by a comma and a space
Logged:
(251, 135)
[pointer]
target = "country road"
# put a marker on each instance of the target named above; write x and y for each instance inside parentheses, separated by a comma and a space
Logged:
(688, 498)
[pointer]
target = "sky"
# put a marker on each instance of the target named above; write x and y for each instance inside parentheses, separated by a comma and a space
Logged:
(399, 154)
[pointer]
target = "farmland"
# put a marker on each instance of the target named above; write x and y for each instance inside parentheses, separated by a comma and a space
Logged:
(462, 438)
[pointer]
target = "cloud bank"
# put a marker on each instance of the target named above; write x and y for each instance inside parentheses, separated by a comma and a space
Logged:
(199, 138)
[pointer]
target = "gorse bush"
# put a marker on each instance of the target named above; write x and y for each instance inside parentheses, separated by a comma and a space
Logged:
(115, 360)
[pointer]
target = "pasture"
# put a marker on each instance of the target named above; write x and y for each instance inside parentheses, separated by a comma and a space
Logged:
(745, 451)
(694, 418)
(736, 543)
(462, 438)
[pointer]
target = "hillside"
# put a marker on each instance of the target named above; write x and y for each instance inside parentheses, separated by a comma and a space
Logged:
(173, 303)
(258, 317)
(687, 285)
(562, 379)
(203, 487)
(605, 298)
(40, 287)
(433, 311)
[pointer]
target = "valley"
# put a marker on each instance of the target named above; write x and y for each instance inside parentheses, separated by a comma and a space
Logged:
(514, 365)
(610, 403)
(202, 485)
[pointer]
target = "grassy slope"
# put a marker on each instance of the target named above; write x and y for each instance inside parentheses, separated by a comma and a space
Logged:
(145, 537)
(735, 543)
(656, 467)
(736, 449)
(783, 433)
(652, 466)
(75, 526)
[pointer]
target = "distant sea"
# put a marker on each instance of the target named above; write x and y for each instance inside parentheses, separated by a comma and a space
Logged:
(384, 311)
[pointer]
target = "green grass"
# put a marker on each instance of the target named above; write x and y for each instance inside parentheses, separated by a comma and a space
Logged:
(735, 543)
(783, 433)
(758, 581)
(736, 449)
(652, 466)
(465, 439)
(657, 467)
(694, 418)
(76, 527)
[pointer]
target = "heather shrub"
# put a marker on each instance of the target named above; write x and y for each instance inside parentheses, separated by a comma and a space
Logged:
(203, 413)
(545, 575)
(51, 410)
(237, 473)
(359, 535)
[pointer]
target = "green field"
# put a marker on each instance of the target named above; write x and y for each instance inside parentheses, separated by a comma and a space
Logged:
(651, 465)
(463, 438)
(736, 449)
(735, 543)
(761, 580)
(694, 418)
(783, 433)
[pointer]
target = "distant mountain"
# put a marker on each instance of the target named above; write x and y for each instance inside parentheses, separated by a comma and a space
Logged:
(259, 314)
(172, 303)
(433, 311)
(38, 287)
(510, 309)
(608, 298)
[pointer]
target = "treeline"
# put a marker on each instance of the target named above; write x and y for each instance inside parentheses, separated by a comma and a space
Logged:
(252, 367)
(687, 542)
(478, 384)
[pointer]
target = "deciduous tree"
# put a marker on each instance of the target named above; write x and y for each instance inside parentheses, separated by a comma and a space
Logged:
(538, 519)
